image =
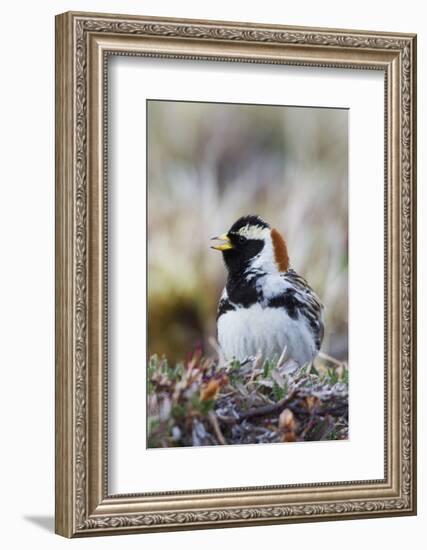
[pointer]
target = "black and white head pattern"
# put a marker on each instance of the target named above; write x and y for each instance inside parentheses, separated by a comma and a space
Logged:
(251, 241)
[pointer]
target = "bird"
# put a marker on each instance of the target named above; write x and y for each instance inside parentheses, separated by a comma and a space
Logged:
(266, 307)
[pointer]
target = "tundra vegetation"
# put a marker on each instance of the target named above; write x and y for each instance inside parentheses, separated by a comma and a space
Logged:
(206, 401)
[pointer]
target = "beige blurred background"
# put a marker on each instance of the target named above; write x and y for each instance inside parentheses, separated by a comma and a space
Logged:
(210, 163)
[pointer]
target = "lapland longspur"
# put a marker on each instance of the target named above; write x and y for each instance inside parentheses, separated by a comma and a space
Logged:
(265, 306)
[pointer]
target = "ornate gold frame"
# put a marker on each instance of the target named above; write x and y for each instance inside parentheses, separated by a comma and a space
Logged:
(83, 42)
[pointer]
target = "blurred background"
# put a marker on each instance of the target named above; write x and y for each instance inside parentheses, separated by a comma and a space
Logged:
(210, 163)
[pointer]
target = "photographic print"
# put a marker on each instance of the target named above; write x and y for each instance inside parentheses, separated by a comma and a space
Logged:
(247, 274)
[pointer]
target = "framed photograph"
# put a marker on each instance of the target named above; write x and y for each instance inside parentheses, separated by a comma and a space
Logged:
(235, 274)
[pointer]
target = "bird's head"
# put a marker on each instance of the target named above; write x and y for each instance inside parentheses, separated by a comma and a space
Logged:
(252, 243)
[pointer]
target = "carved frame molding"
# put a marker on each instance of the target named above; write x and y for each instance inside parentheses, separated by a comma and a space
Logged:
(83, 43)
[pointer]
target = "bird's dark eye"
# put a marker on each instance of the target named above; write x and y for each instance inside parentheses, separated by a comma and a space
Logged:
(241, 239)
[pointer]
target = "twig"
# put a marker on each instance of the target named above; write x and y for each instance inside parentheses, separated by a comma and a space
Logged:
(338, 410)
(226, 419)
(268, 409)
(214, 344)
(255, 367)
(331, 359)
(311, 423)
(282, 357)
(214, 423)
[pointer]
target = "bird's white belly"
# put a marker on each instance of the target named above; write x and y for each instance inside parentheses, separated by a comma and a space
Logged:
(246, 331)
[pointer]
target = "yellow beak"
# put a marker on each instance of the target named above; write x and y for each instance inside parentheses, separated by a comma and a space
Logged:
(225, 245)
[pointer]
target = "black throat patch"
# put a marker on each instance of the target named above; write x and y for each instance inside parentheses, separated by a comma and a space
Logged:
(238, 259)
(242, 290)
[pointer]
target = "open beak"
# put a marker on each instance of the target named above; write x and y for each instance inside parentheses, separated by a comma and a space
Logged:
(225, 245)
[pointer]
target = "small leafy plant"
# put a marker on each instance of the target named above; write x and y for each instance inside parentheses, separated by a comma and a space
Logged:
(206, 401)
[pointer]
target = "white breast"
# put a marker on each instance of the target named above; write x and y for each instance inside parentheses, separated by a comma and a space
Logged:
(246, 331)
